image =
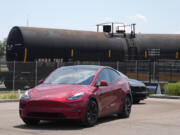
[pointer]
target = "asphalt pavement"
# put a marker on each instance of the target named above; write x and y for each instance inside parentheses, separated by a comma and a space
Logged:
(150, 117)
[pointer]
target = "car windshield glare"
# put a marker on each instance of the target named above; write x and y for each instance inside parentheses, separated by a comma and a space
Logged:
(79, 76)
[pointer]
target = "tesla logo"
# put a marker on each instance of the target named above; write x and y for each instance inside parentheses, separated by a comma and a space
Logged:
(47, 96)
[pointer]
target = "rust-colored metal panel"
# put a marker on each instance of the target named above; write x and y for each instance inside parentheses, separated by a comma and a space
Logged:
(168, 44)
(86, 45)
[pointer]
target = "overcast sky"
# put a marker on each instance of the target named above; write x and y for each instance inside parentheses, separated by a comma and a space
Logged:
(151, 16)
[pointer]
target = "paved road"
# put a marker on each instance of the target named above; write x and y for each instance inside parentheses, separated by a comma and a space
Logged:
(151, 117)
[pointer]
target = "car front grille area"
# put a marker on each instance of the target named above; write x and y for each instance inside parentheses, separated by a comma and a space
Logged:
(138, 89)
(46, 115)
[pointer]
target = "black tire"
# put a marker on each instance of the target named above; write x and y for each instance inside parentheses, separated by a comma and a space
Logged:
(31, 122)
(136, 101)
(91, 114)
(125, 112)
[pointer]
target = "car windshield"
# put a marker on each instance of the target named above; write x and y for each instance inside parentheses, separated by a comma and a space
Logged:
(80, 76)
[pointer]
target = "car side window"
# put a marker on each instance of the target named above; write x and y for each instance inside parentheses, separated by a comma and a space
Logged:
(103, 75)
(115, 77)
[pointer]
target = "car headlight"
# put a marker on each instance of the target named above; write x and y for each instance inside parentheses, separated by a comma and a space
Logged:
(26, 95)
(76, 96)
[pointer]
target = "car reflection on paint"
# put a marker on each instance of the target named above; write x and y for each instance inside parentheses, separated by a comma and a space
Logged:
(79, 92)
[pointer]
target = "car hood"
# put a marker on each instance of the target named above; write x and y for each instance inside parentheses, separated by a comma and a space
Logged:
(135, 83)
(54, 91)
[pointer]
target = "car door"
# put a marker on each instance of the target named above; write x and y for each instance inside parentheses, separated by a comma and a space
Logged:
(106, 96)
(117, 84)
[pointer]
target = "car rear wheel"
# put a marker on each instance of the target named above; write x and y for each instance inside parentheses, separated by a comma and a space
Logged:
(30, 122)
(126, 108)
(91, 114)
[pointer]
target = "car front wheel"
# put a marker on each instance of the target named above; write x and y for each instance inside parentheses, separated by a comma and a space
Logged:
(136, 101)
(91, 114)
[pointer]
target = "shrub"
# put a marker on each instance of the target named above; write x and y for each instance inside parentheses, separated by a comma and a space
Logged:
(9, 94)
(172, 89)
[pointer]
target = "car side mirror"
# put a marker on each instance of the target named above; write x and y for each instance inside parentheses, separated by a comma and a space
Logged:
(40, 81)
(103, 83)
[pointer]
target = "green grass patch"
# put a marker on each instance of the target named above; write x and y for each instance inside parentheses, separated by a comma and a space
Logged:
(9, 95)
(172, 89)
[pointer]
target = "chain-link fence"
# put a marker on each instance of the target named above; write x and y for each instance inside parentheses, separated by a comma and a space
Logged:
(22, 75)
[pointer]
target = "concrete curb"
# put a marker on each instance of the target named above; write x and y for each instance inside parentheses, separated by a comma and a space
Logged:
(163, 96)
(9, 100)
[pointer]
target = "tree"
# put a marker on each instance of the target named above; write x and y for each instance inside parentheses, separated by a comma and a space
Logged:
(2, 48)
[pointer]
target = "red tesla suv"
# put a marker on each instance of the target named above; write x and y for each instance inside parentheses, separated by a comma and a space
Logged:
(82, 92)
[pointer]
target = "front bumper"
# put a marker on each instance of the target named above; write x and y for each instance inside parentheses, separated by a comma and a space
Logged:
(139, 93)
(51, 109)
